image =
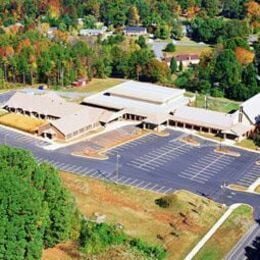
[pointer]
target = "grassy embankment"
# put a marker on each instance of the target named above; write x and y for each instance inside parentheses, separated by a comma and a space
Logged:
(18, 121)
(227, 235)
(180, 225)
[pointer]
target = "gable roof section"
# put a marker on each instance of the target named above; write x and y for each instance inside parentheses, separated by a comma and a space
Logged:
(204, 118)
(79, 120)
(145, 92)
(52, 105)
(252, 109)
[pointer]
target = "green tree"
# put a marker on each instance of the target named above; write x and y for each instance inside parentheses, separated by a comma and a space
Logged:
(170, 47)
(22, 221)
(181, 66)
(173, 65)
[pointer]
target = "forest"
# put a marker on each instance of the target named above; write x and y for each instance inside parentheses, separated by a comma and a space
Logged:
(38, 212)
(28, 56)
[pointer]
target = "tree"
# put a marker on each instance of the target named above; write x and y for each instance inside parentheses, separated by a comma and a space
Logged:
(22, 219)
(162, 32)
(257, 139)
(181, 66)
(211, 7)
(234, 8)
(244, 56)
(141, 41)
(227, 71)
(133, 16)
(173, 65)
(156, 71)
(36, 210)
(170, 47)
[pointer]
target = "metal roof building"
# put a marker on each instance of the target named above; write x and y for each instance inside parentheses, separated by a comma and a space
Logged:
(151, 103)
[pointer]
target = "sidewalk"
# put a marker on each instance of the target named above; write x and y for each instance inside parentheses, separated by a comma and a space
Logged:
(211, 232)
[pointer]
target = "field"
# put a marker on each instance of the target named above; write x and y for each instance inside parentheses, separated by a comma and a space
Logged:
(181, 225)
(196, 49)
(247, 143)
(24, 123)
(216, 104)
(97, 85)
(227, 235)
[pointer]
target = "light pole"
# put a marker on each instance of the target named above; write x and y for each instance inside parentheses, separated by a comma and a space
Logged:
(117, 166)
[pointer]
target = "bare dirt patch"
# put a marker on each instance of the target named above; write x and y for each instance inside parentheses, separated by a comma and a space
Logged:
(178, 226)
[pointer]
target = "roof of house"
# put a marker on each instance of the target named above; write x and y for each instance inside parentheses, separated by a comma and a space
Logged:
(187, 57)
(76, 121)
(48, 104)
(203, 117)
(135, 29)
(145, 92)
(252, 109)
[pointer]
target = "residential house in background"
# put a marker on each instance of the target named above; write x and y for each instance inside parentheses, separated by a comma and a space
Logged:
(135, 31)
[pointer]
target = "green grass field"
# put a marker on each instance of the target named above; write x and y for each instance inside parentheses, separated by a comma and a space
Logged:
(217, 104)
(227, 235)
(96, 85)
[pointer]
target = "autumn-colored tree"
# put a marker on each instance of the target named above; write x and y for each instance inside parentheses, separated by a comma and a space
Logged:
(133, 16)
(244, 56)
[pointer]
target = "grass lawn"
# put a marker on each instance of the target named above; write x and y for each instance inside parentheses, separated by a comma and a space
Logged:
(247, 143)
(21, 122)
(257, 189)
(217, 104)
(97, 85)
(219, 245)
(196, 49)
(178, 227)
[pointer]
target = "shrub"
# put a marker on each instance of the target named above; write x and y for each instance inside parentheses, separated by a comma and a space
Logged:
(96, 238)
(164, 202)
(153, 252)
(170, 48)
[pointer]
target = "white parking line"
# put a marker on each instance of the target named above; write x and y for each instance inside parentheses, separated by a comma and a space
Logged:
(167, 191)
(209, 165)
(153, 188)
(126, 181)
(163, 187)
(133, 182)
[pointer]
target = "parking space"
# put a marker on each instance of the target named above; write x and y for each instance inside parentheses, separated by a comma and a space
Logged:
(105, 175)
(8, 134)
(251, 176)
(133, 144)
(159, 157)
(207, 167)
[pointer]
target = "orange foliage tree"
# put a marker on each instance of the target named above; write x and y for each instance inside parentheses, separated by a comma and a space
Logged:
(244, 56)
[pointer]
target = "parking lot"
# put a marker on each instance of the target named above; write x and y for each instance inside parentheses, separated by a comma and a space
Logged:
(152, 162)
(167, 161)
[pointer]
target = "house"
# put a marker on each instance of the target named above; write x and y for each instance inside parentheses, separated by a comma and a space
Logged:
(186, 59)
(135, 31)
(93, 32)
